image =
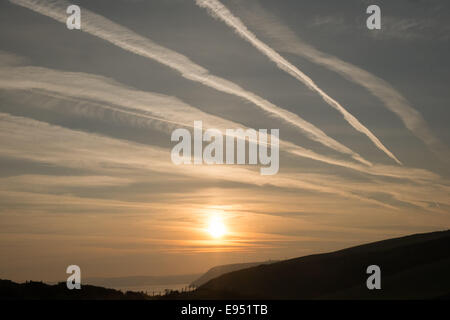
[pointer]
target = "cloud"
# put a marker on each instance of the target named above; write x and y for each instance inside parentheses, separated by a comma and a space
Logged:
(122, 37)
(128, 162)
(37, 180)
(287, 41)
(220, 11)
(155, 109)
(107, 156)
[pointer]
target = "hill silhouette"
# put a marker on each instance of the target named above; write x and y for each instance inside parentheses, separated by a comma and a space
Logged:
(33, 290)
(412, 267)
(217, 271)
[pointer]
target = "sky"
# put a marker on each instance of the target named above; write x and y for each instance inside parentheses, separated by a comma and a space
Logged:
(86, 117)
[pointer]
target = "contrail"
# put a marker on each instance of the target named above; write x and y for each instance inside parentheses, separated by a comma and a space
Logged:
(93, 151)
(286, 40)
(218, 10)
(139, 106)
(122, 37)
(106, 93)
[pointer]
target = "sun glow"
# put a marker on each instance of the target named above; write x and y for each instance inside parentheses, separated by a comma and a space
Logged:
(216, 227)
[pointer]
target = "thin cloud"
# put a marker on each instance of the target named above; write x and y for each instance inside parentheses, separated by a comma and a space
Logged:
(286, 40)
(96, 152)
(220, 11)
(99, 153)
(128, 40)
(156, 108)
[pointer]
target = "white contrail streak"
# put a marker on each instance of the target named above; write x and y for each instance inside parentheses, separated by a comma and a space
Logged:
(218, 10)
(93, 151)
(128, 40)
(285, 40)
(139, 106)
(87, 150)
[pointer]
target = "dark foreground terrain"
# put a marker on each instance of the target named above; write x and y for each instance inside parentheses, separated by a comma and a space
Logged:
(220, 270)
(33, 290)
(412, 267)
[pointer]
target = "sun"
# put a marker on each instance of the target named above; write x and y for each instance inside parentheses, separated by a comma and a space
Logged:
(216, 228)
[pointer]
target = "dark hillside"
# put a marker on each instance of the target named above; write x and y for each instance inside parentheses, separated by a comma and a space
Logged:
(415, 266)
